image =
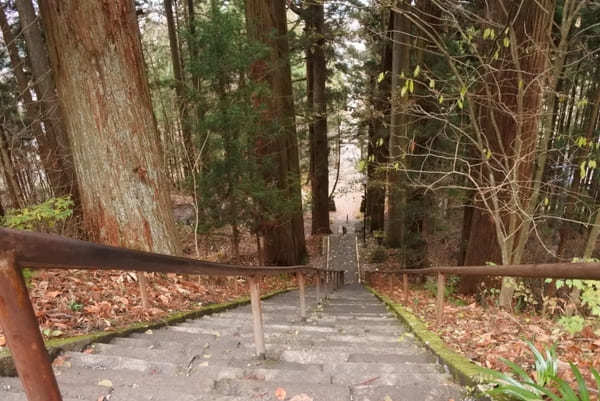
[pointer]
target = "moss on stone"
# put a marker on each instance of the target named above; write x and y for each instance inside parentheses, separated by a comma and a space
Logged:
(462, 369)
(79, 343)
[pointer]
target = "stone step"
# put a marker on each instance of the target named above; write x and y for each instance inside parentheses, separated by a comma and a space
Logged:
(266, 391)
(310, 375)
(358, 372)
(129, 380)
(12, 389)
(9, 396)
(326, 338)
(151, 354)
(377, 349)
(106, 362)
(208, 367)
(422, 357)
(421, 391)
(149, 343)
(166, 335)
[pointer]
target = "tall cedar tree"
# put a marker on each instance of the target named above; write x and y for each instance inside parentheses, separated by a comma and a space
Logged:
(319, 146)
(313, 15)
(509, 117)
(395, 229)
(55, 149)
(277, 142)
(379, 123)
(96, 55)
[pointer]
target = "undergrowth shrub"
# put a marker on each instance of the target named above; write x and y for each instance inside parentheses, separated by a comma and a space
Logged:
(546, 386)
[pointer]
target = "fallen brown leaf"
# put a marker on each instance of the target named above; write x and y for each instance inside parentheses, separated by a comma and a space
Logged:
(280, 393)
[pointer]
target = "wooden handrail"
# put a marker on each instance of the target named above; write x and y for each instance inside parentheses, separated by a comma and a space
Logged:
(582, 271)
(47, 251)
(20, 249)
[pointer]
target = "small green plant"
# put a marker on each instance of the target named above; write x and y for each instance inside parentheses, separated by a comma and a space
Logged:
(572, 324)
(378, 255)
(450, 288)
(41, 217)
(547, 384)
(75, 306)
(588, 290)
(27, 276)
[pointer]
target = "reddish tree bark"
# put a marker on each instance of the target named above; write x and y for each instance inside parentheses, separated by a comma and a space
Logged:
(284, 237)
(96, 56)
(510, 128)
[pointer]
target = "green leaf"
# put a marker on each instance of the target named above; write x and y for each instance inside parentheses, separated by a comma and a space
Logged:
(566, 391)
(583, 391)
(441, 99)
(431, 83)
(516, 391)
(460, 104)
(411, 86)
(596, 377)
(403, 91)
(506, 41)
(416, 71)
(518, 370)
(380, 77)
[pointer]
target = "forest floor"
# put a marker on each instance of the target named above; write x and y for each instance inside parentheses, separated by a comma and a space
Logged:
(487, 334)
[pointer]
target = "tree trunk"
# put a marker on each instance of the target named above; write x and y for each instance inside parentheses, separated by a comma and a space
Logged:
(57, 152)
(284, 237)
(379, 135)
(182, 107)
(49, 161)
(96, 54)
(395, 224)
(509, 120)
(319, 151)
(10, 176)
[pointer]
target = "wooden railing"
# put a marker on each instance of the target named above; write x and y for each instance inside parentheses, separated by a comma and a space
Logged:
(21, 249)
(582, 271)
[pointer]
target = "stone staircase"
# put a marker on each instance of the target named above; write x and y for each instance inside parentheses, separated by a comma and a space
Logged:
(350, 348)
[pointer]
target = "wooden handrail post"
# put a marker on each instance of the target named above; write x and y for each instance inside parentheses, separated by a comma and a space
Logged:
(23, 336)
(405, 287)
(318, 285)
(441, 288)
(259, 332)
(302, 296)
(342, 279)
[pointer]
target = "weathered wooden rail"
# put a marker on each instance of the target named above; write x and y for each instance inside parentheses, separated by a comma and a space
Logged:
(582, 271)
(21, 249)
